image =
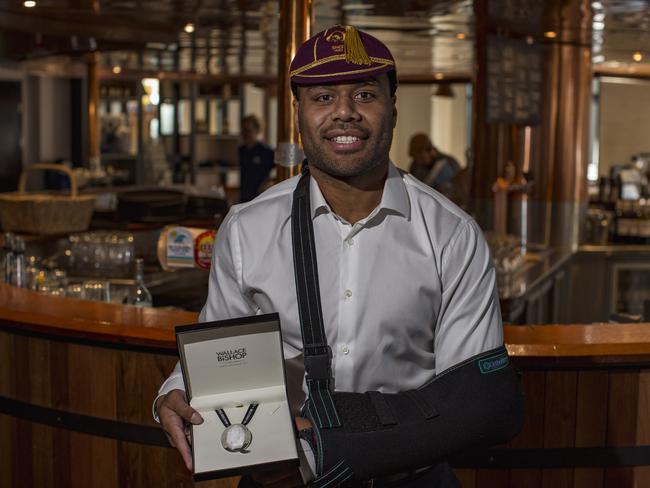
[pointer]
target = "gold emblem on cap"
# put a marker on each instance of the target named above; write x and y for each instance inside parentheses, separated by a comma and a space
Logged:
(336, 36)
(355, 51)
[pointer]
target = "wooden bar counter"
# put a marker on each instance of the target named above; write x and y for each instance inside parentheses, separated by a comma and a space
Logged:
(77, 380)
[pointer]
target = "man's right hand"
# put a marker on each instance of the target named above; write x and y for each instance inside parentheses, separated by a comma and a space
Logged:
(175, 416)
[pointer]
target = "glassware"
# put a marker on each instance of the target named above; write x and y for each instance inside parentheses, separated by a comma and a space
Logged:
(18, 268)
(141, 296)
(8, 251)
(97, 290)
(75, 290)
(105, 254)
(60, 277)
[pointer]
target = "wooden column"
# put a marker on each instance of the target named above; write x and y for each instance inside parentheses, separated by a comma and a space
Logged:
(93, 109)
(296, 19)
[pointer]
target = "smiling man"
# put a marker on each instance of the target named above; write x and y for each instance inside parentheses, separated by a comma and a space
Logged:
(386, 291)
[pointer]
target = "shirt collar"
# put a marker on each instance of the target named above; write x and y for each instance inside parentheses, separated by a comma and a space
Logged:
(394, 198)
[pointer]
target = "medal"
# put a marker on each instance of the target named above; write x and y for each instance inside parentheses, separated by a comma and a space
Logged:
(237, 437)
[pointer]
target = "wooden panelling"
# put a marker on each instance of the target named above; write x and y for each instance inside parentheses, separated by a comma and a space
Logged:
(533, 385)
(88, 462)
(591, 423)
(586, 386)
(622, 421)
(559, 422)
(8, 448)
(99, 382)
(491, 478)
(642, 473)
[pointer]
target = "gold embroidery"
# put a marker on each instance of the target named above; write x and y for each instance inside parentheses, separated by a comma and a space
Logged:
(338, 57)
(365, 70)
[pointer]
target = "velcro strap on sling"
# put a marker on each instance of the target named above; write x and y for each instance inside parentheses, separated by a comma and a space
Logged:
(335, 476)
(317, 353)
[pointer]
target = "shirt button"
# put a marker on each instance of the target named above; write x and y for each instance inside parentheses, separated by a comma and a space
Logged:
(349, 242)
(348, 293)
(345, 349)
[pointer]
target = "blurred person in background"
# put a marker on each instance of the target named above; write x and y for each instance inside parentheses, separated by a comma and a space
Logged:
(255, 160)
(431, 166)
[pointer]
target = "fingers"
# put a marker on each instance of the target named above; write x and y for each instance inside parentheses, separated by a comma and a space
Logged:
(174, 427)
(302, 423)
(175, 400)
(174, 412)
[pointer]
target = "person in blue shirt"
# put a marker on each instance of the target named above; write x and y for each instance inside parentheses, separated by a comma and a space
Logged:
(255, 160)
(431, 166)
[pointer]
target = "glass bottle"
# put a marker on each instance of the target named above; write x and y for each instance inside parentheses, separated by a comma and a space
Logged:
(141, 297)
(18, 276)
(8, 252)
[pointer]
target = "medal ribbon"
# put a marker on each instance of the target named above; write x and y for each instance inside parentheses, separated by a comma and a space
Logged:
(247, 417)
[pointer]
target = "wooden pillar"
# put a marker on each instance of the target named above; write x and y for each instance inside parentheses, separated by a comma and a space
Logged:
(296, 20)
(92, 64)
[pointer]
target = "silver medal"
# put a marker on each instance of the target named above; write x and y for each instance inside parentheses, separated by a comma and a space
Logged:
(236, 438)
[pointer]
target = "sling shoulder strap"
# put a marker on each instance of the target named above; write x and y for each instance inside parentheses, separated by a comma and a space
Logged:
(317, 353)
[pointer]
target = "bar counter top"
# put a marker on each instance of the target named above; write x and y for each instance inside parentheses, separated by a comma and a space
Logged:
(128, 326)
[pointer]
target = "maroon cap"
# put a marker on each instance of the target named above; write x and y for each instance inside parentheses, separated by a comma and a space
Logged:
(340, 53)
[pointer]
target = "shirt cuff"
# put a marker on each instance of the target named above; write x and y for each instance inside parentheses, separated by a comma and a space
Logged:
(174, 382)
(307, 462)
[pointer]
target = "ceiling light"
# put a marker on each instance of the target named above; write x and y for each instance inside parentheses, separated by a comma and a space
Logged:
(637, 56)
(29, 3)
(117, 70)
(550, 34)
(461, 36)
(189, 27)
(439, 76)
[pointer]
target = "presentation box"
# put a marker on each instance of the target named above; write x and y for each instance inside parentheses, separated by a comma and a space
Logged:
(234, 374)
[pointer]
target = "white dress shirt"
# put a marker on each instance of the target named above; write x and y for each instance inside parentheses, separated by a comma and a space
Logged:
(407, 292)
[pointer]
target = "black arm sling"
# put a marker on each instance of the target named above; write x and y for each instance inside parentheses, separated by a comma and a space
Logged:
(363, 435)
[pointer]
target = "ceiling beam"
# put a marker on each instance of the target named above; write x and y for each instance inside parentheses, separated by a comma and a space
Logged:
(100, 27)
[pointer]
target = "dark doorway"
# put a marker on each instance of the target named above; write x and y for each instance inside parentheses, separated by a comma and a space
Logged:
(10, 135)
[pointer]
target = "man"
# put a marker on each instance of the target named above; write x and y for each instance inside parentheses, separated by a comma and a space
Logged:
(408, 290)
(255, 160)
(431, 166)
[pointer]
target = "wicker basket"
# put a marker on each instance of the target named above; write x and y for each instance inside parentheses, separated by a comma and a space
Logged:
(42, 213)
